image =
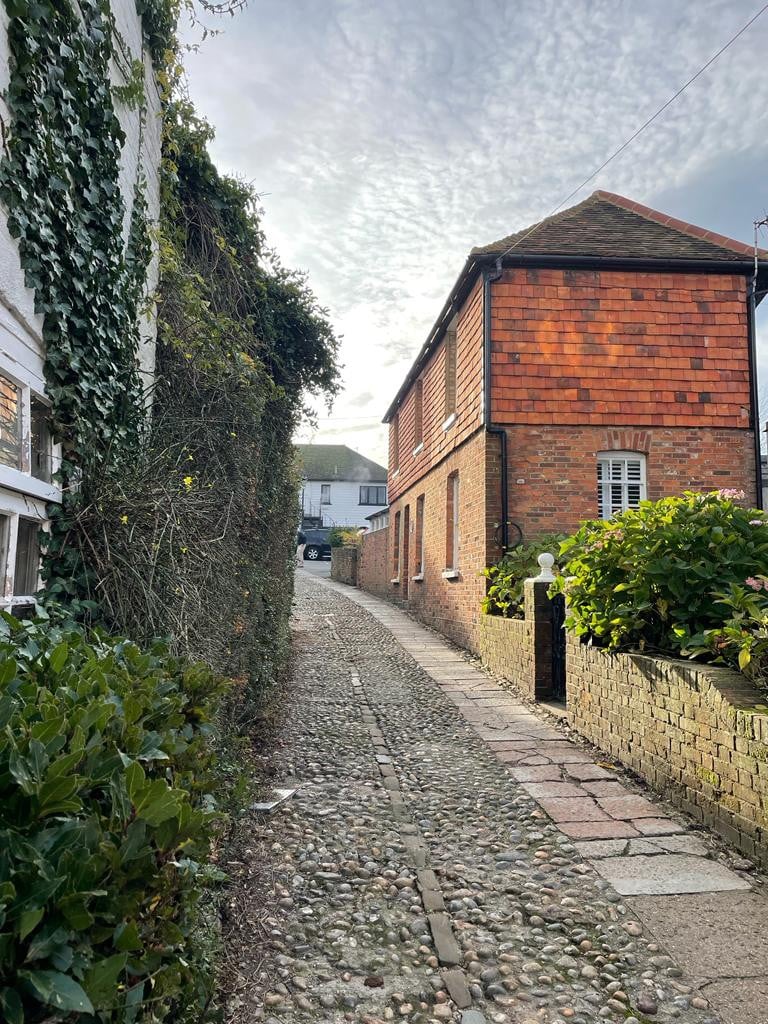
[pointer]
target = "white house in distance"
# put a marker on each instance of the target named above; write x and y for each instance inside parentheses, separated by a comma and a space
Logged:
(339, 487)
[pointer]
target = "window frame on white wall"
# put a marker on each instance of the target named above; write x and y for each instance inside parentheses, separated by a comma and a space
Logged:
(380, 493)
(325, 494)
(622, 481)
(27, 486)
(22, 478)
(14, 516)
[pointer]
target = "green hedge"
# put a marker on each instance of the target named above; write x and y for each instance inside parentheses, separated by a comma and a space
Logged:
(106, 809)
(683, 575)
(341, 535)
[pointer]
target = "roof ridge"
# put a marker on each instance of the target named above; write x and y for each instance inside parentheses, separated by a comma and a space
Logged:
(684, 227)
(551, 218)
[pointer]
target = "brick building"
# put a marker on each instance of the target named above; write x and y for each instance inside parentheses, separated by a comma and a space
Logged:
(602, 356)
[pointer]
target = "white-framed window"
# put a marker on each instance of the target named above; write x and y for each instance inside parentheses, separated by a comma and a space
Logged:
(418, 415)
(621, 482)
(28, 463)
(28, 457)
(325, 494)
(373, 494)
(19, 552)
(450, 370)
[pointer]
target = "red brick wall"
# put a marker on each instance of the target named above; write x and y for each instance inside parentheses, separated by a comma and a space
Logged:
(452, 606)
(620, 348)
(553, 474)
(373, 563)
(438, 442)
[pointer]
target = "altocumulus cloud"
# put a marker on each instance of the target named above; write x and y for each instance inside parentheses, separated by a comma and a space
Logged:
(390, 137)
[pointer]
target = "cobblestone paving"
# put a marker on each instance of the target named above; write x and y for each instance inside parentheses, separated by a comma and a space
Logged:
(413, 877)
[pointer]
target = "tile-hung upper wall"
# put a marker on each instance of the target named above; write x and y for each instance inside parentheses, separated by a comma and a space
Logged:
(654, 363)
(23, 491)
(440, 438)
(585, 347)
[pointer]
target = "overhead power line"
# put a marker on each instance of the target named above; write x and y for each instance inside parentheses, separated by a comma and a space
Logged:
(643, 126)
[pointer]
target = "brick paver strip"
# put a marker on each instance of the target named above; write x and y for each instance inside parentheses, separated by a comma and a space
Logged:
(628, 806)
(598, 829)
(658, 826)
(588, 771)
(542, 790)
(581, 808)
(537, 773)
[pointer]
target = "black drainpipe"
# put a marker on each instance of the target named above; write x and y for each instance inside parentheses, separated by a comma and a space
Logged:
(754, 398)
(489, 276)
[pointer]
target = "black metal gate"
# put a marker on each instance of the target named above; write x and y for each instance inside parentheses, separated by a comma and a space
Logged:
(558, 648)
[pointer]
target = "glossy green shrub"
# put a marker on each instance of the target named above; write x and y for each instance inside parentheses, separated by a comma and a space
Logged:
(657, 578)
(106, 810)
(504, 595)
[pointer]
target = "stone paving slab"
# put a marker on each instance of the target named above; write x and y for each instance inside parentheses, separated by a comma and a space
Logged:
(667, 874)
(723, 937)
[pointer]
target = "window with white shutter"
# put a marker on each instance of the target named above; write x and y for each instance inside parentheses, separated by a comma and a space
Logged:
(620, 482)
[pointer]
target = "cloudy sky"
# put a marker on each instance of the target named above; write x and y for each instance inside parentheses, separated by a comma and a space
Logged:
(388, 137)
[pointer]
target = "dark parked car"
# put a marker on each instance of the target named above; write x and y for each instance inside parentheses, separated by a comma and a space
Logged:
(318, 543)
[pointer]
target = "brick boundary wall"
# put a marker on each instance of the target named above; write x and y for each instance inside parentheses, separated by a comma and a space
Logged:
(520, 650)
(344, 564)
(373, 564)
(506, 648)
(691, 731)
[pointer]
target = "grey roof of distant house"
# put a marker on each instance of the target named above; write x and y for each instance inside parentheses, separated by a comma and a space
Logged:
(338, 462)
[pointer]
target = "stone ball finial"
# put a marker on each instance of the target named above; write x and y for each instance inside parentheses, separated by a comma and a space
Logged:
(546, 561)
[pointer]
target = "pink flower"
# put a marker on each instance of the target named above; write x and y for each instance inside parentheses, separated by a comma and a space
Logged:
(756, 584)
(757, 522)
(731, 493)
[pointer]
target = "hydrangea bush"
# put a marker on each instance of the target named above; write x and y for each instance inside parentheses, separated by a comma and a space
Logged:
(684, 575)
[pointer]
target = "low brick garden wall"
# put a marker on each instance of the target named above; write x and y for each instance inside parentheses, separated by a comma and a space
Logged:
(344, 564)
(692, 731)
(374, 570)
(506, 648)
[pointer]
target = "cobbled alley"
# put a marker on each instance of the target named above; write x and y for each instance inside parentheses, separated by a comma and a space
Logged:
(415, 877)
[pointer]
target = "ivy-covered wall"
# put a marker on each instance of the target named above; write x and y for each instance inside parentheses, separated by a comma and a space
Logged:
(140, 157)
(80, 155)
